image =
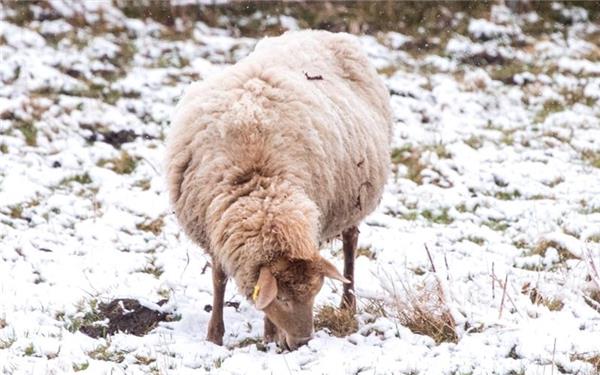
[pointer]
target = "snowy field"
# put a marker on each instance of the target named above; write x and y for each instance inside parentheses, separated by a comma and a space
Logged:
(496, 171)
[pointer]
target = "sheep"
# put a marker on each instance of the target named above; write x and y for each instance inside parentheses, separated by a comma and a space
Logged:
(272, 157)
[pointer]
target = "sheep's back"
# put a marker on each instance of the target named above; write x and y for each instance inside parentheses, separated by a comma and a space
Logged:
(306, 108)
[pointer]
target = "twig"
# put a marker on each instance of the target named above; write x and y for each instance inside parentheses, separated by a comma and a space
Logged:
(203, 268)
(593, 304)
(493, 283)
(508, 297)
(313, 78)
(553, 352)
(503, 296)
(430, 258)
(594, 274)
(447, 267)
(151, 165)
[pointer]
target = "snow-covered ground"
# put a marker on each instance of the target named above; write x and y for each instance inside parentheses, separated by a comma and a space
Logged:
(496, 170)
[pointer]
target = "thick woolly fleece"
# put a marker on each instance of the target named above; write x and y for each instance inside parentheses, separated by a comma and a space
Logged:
(279, 152)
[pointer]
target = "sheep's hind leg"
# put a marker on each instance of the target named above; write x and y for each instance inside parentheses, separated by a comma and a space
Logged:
(216, 328)
(350, 238)
(270, 331)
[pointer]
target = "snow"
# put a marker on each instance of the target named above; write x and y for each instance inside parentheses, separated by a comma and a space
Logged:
(497, 177)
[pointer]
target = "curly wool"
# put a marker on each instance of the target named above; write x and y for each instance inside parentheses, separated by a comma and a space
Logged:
(279, 152)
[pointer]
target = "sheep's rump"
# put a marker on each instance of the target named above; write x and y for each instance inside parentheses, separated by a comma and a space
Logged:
(305, 108)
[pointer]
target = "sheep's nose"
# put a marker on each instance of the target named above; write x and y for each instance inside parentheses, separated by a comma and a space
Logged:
(294, 343)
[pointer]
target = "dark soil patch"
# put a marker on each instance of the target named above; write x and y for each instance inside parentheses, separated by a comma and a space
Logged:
(116, 139)
(484, 59)
(113, 138)
(125, 315)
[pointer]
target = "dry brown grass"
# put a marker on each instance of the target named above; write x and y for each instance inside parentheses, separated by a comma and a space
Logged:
(124, 164)
(593, 297)
(593, 300)
(411, 158)
(593, 359)
(423, 309)
(340, 322)
(155, 226)
(563, 252)
(537, 298)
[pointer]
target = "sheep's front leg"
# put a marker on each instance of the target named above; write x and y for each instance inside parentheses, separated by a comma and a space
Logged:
(216, 328)
(270, 331)
(350, 238)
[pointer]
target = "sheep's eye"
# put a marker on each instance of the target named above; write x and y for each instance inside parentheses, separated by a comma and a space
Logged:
(282, 299)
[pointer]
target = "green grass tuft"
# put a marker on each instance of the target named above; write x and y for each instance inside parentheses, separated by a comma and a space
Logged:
(29, 131)
(438, 218)
(123, 164)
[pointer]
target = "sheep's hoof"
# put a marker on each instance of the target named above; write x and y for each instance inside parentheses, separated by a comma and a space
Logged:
(215, 334)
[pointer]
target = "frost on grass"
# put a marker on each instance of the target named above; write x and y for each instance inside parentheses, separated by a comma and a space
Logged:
(422, 308)
(339, 322)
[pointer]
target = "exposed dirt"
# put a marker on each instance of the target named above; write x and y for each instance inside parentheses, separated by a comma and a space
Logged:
(125, 315)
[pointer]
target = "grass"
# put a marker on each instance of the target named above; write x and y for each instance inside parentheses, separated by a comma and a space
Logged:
(549, 107)
(98, 91)
(340, 322)
(366, 252)
(423, 310)
(82, 179)
(577, 96)
(440, 217)
(155, 226)
(388, 70)
(563, 253)
(123, 164)
(7, 342)
(593, 359)
(143, 184)
(508, 138)
(172, 60)
(553, 304)
(103, 353)
(591, 157)
(29, 131)
(497, 225)
(507, 196)
(16, 212)
(413, 17)
(143, 360)
(88, 314)
(440, 150)
(248, 341)
(410, 216)
(474, 142)
(537, 298)
(594, 238)
(152, 268)
(411, 159)
(80, 366)
(506, 73)
(594, 300)
(476, 240)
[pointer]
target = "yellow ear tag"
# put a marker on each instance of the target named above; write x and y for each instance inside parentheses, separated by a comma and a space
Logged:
(255, 293)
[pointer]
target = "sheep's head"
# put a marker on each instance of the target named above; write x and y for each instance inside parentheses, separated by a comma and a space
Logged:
(286, 292)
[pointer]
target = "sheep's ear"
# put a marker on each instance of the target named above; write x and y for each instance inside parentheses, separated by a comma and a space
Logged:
(330, 271)
(265, 290)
